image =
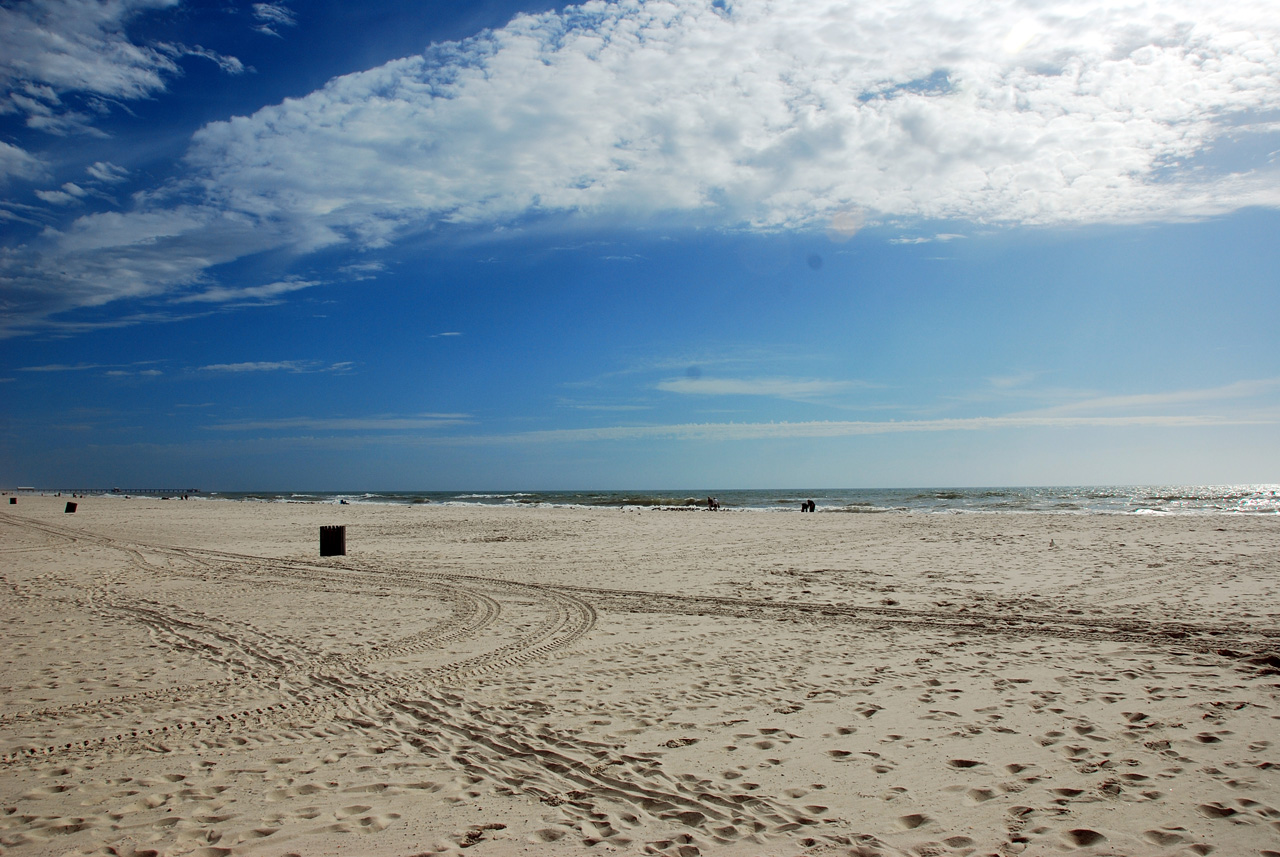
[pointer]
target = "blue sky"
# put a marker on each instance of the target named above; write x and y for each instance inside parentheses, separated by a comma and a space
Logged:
(639, 244)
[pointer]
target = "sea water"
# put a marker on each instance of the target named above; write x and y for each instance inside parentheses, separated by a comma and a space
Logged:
(1116, 499)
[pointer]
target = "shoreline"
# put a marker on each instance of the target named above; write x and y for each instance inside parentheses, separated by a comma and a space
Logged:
(1245, 499)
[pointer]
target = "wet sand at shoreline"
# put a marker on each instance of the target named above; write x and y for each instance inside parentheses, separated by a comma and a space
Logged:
(192, 678)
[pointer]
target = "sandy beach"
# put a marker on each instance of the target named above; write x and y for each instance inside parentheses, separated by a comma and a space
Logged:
(192, 678)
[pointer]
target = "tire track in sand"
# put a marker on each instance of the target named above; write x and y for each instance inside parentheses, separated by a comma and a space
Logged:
(255, 657)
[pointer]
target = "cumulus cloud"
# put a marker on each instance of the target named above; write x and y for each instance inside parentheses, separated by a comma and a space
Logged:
(771, 116)
(761, 115)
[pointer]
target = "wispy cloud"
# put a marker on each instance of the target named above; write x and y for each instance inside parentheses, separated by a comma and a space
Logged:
(127, 373)
(270, 17)
(348, 424)
(782, 388)
(835, 429)
(397, 429)
(263, 293)
(602, 406)
(54, 47)
(113, 369)
(69, 192)
(295, 366)
(107, 172)
(61, 367)
(1157, 401)
(1013, 381)
(943, 236)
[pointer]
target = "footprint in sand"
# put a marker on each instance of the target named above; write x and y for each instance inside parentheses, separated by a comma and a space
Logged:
(1083, 837)
(963, 763)
(1166, 837)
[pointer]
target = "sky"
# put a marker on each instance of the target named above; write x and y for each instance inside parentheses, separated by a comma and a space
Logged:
(692, 244)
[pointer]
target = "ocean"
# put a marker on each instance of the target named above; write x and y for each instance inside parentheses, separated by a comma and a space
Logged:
(1090, 499)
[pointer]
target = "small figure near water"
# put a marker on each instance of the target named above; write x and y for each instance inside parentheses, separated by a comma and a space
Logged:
(808, 506)
(713, 503)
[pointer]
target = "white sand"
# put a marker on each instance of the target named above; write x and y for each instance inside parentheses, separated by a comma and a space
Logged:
(192, 678)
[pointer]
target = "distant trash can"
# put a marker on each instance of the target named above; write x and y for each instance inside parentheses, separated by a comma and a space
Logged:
(13, 501)
(333, 541)
(71, 507)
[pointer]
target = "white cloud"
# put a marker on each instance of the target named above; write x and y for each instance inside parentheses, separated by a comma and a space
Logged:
(809, 114)
(80, 45)
(771, 117)
(60, 367)
(295, 366)
(113, 369)
(783, 388)
(1181, 398)
(220, 294)
(230, 65)
(108, 256)
(943, 236)
(70, 192)
(1015, 381)
(833, 428)
(107, 172)
(55, 197)
(380, 423)
(18, 163)
(271, 16)
(52, 47)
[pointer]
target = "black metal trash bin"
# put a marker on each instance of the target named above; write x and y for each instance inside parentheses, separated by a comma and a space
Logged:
(71, 507)
(333, 541)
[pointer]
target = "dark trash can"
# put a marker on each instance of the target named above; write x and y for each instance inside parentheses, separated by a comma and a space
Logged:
(333, 541)
(13, 501)
(71, 507)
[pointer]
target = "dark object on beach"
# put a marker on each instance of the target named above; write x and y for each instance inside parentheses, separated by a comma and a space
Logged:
(333, 541)
(808, 506)
(13, 501)
(71, 507)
